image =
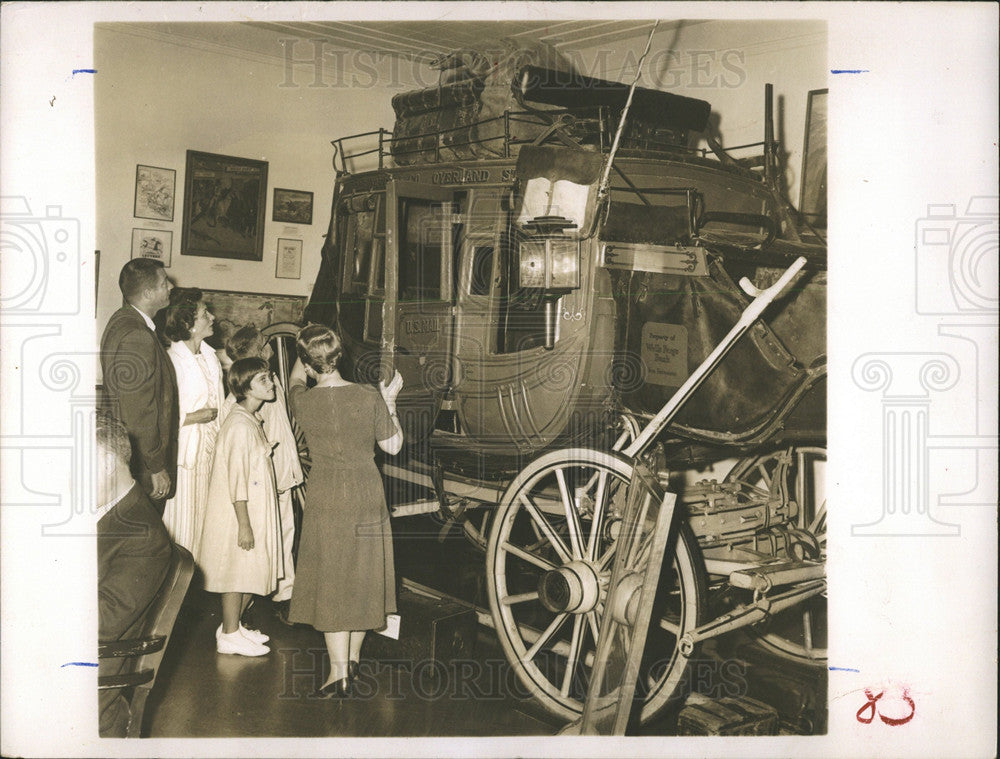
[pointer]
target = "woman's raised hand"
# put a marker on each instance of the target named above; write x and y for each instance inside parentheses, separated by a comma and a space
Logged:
(201, 416)
(390, 392)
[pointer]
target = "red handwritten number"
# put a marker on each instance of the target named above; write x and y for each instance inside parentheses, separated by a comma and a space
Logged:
(869, 706)
(871, 709)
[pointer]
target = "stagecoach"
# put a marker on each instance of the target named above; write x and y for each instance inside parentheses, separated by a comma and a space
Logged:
(570, 294)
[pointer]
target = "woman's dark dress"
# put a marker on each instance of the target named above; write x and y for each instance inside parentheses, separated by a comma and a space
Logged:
(344, 578)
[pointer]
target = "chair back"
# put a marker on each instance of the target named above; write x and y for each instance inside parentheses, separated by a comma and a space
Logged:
(147, 640)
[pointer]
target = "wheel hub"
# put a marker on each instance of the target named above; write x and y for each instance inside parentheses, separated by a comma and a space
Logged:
(572, 588)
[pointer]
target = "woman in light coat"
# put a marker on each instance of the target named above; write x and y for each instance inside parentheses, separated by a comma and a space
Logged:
(186, 322)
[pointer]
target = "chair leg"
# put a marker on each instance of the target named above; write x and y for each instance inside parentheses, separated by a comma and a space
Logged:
(138, 706)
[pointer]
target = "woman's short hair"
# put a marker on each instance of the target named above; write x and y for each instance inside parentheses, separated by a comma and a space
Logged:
(318, 347)
(241, 374)
(179, 317)
(244, 342)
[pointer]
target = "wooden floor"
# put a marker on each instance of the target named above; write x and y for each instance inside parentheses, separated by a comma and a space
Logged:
(200, 693)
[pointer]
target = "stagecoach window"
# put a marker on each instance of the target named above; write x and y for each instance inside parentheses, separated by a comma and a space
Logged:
(522, 310)
(482, 270)
(365, 244)
(420, 251)
(378, 264)
(360, 239)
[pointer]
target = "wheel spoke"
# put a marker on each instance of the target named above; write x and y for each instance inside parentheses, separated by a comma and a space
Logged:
(538, 561)
(807, 632)
(519, 598)
(818, 523)
(674, 628)
(572, 517)
(544, 638)
(642, 556)
(800, 489)
(592, 621)
(574, 654)
(546, 528)
(606, 557)
(598, 518)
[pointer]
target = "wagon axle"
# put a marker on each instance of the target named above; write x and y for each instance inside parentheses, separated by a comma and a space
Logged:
(574, 587)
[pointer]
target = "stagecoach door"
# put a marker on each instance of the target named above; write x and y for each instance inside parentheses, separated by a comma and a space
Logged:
(419, 299)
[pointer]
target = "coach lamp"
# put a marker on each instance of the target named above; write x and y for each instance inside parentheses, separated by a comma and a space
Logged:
(549, 261)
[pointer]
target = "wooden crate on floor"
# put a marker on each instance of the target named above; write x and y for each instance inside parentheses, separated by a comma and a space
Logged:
(442, 631)
(737, 715)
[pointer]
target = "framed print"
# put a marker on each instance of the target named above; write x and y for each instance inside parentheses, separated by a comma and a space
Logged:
(292, 206)
(154, 193)
(233, 310)
(152, 243)
(812, 203)
(224, 201)
(289, 260)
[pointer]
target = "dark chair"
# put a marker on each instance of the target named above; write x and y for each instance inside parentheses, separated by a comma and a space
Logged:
(145, 642)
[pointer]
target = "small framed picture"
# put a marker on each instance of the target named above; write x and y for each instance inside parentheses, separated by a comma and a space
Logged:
(292, 206)
(154, 193)
(289, 261)
(152, 243)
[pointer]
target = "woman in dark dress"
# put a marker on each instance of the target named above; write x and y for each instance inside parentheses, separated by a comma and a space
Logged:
(345, 581)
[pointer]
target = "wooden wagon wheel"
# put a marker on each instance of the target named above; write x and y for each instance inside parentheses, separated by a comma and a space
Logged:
(281, 337)
(800, 633)
(476, 524)
(549, 561)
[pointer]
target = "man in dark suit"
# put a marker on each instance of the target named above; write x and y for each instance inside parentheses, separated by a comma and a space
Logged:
(139, 378)
(133, 556)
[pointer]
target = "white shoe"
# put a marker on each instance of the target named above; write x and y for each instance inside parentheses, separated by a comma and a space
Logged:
(235, 643)
(255, 635)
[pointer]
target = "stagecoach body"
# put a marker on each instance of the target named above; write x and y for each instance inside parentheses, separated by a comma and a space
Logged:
(540, 320)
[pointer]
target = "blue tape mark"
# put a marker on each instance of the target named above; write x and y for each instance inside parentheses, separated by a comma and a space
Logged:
(843, 669)
(78, 664)
(849, 71)
(84, 71)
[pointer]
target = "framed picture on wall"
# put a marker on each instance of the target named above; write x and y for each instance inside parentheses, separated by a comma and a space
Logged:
(224, 204)
(154, 193)
(152, 243)
(233, 310)
(292, 206)
(289, 261)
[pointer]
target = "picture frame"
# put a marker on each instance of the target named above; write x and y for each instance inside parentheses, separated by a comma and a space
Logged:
(155, 190)
(234, 309)
(153, 243)
(812, 183)
(224, 204)
(292, 206)
(288, 261)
